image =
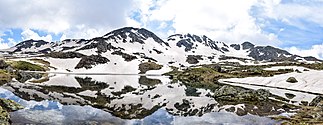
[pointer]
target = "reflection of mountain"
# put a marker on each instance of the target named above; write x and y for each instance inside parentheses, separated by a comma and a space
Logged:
(136, 97)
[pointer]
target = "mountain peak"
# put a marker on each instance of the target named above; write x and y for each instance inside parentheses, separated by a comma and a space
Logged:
(131, 34)
(192, 41)
(247, 45)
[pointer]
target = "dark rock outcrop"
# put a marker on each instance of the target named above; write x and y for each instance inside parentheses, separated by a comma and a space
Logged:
(247, 45)
(125, 56)
(65, 55)
(88, 61)
(235, 46)
(29, 43)
(193, 59)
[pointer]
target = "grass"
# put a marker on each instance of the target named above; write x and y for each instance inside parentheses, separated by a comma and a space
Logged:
(23, 65)
(41, 61)
(4, 76)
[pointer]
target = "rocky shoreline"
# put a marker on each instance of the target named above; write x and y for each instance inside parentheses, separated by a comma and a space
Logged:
(7, 106)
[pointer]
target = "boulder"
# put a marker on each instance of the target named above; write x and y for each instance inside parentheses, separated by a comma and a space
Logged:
(193, 59)
(291, 80)
(3, 64)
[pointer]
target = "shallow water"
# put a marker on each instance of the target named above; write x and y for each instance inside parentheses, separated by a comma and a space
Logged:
(102, 99)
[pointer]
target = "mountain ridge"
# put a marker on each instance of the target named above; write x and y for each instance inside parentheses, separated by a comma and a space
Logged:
(132, 46)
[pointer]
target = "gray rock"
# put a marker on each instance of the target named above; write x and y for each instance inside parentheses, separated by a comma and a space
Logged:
(3, 64)
(24, 76)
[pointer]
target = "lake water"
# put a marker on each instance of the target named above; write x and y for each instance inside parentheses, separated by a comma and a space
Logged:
(131, 99)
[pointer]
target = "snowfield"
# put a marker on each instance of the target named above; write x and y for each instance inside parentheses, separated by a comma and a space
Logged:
(310, 81)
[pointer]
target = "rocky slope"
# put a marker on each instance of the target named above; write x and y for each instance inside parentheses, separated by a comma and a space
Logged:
(123, 50)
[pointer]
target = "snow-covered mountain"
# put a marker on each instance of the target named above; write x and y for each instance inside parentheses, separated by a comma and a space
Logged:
(123, 50)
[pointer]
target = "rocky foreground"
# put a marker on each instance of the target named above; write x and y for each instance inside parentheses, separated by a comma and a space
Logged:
(7, 106)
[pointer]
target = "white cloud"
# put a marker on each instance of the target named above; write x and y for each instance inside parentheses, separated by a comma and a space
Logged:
(292, 12)
(64, 16)
(3, 45)
(29, 34)
(315, 51)
(228, 20)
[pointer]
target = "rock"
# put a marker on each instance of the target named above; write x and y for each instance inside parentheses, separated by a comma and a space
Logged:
(298, 71)
(316, 101)
(7, 106)
(235, 46)
(289, 95)
(3, 64)
(217, 68)
(146, 66)
(88, 61)
(102, 46)
(65, 55)
(226, 91)
(247, 45)
(125, 56)
(10, 105)
(291, 80)
(24, 76)
(4, 117)
(193, 59)
(230, 93)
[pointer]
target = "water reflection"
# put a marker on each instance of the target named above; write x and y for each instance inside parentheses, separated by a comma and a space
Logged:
(52, 112)
(102, 99)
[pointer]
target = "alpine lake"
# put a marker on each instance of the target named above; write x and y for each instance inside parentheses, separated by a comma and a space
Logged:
(139, 99)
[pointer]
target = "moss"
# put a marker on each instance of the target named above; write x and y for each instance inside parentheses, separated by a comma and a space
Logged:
(4, 76)
(23, 65)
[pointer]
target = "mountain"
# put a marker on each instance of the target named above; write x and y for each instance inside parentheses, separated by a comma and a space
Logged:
(137, 50)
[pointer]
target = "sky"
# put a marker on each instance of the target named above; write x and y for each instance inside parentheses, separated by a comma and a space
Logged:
(294, 25)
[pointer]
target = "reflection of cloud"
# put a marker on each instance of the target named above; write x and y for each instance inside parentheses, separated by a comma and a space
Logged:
(38, 116)
(222, 118)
